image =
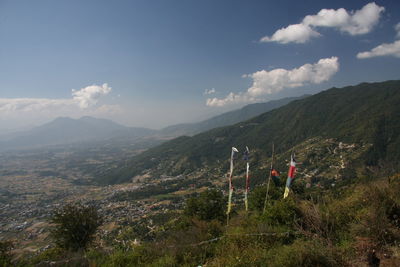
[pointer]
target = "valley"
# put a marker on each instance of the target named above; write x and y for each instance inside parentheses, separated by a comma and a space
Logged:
(34, 183)
(149, 190)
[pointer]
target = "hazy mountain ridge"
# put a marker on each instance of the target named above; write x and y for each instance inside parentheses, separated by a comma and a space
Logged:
(64, 130)
(67, 130)
(227, 118)
(364, 114)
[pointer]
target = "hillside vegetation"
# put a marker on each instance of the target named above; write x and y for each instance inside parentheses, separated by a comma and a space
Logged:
(363, 115)
(343, 208)
(349, 225)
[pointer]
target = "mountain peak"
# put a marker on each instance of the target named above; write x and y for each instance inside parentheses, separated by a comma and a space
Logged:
(65, 130)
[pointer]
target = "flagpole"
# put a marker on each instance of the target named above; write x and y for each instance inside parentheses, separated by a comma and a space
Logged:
(230, 186)
(246, 155)
(229, 198)
(269, 177)
(246, 203)
(230, 193)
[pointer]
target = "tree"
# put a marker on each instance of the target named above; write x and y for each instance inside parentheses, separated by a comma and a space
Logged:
(75, 226)
(257, 196)
(5, 256)
(210, 205)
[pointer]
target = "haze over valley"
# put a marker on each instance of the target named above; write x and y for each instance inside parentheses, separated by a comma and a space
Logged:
(212, 133)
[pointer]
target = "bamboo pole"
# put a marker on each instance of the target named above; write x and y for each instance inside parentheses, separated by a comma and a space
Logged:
(246, 202)
(269, 178)
(234, 150)
(230, 192)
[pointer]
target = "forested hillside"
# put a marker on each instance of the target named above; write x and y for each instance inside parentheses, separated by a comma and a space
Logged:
(366, 114)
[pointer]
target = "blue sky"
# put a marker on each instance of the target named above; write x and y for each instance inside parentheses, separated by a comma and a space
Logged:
(149, 63)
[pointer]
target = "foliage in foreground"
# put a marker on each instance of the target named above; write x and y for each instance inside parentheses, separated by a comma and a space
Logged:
(208, 206)
(75, 226)
(5, 256)
(339, 228)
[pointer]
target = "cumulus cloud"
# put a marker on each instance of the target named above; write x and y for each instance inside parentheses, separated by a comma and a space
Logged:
(270, 82)
(328, 18)
(209, 91)
(364, 20)
(359, 22)
(392, 49)
(231, 98)
(296, 33)
(89, 95)
(20, 112)
(354, 23)
(83, 98)
(386, 49)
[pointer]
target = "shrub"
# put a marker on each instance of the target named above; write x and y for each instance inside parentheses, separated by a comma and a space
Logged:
(122, 258)
(380, 222)
(186, 245)
(257, 196)
(210, 205)
(305, 253)
(75, 226)
(281, 212)
(5, 256)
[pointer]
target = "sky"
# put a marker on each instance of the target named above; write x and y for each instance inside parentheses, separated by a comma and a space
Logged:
(154, 63)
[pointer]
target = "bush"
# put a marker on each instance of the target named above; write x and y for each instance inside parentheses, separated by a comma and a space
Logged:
(380, 222)
(283, 212)
(305, 253)
(257, 196)
(75, 226)
(120, 258)
(5, 256)
(210, 205)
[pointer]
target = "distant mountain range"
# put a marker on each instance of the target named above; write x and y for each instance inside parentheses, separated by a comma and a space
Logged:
(64, 130)
(67, 131)
(367, 114)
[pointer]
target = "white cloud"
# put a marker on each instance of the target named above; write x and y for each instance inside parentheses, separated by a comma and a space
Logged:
(397, 28)
(89, 95)
(19, 112)
(328, 18)
(359, 22)
(270, 82)
(354, 23)
(363, 21)
(209, 91)
(296, 33)
(9, 105)
(392, 49)
(231, 98)
(83, 98)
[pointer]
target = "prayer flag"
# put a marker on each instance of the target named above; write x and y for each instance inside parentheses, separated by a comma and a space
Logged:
(291, 173)
(234, 151)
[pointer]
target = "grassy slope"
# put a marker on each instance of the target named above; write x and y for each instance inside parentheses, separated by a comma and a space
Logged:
(338, 227)
(366, 113)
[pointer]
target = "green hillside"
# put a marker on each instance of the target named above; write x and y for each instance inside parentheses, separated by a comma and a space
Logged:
(343, 208)
(228, 118)
(364, 115)
(353, 225)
